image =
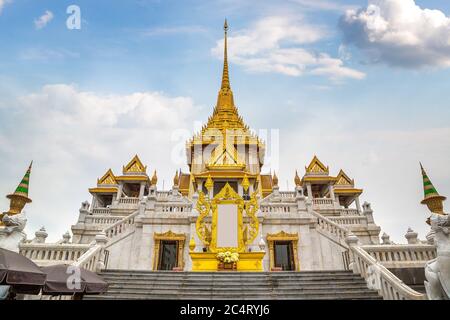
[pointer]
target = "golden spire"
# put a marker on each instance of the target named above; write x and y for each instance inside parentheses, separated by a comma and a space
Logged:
(225, 101)
(245, 183)
(154, 179)
(225, 76)
(209, 183)
(275, 179)
(297, 179)
(176, 179)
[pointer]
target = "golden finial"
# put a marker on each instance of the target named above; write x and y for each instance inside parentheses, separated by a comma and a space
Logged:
(225, 76)
(19, 198)
(297, 179)
(209, 183)
(176, 179)
(154, 179)
(192, 244)
(432, 198)
(245, 183)
(275, 179)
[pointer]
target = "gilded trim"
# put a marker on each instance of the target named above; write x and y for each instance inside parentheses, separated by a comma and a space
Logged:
(169, 235)
(283, 236)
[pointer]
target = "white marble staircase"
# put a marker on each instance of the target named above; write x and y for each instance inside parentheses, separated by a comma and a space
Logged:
(125, 284)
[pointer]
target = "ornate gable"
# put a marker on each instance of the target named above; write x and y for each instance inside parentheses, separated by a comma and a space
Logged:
(343, 180)
(316, 167)
(108, 178)
(134, 166)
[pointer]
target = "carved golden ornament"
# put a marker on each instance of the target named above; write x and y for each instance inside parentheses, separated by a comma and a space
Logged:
(297, 179)
(154, 179)
(316, 166)
(245, 183)
(275, 179)
(343, 179)
(206, 207)
(209, 183)
(192, 244)
(107, 178)
(251, 207)
(176, 179)
(134, 166)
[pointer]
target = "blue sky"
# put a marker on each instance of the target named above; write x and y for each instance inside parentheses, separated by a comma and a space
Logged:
(374, 108)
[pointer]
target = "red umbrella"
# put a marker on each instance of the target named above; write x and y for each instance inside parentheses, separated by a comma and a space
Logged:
(19, 272)
(64, 279)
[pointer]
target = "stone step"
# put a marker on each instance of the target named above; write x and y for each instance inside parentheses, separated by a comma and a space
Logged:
(239, 284)
(131, 284)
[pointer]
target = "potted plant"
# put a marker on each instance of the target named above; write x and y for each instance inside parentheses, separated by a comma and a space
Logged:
(228, 260)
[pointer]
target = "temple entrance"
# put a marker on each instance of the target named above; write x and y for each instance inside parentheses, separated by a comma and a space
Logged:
(168, 251)
(284, 256)
(168, 255)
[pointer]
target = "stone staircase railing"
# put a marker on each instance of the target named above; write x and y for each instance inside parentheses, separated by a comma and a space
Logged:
(333, 229)
(101, 211)
(46, 254)
(376, 275)
(381, 279)
(350, 220)
(94, 258)
(414, 255)
(174, 207)
(101, 219)
(129, 200)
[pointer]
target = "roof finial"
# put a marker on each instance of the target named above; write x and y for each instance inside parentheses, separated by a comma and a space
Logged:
(432, 198)
(19, 198)
(225, 76)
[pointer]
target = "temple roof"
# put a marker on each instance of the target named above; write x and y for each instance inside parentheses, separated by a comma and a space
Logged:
(135, 166)
(225, 120)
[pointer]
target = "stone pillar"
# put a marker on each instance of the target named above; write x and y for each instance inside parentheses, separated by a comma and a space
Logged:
(84, 211)
(66, 237)
(411, 236)
(141, 190)
(309, 189)
(368, 212)
(101, 239)
(385, 238)
(40, 236)
(332, 192)
(120, 191)
(358, 205)
(352, 240)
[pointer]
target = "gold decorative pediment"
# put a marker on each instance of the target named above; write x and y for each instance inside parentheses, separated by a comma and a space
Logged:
(343, 180)
(135, 166)
(280, 236)
(169, 235)
(316, 166)
(108, 178)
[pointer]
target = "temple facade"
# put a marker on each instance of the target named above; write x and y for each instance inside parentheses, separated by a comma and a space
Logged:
(224, 212)
(185, 227)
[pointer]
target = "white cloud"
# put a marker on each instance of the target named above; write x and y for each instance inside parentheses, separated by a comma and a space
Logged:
(274, 44)
(399, 33)
(43, 20)
(73, 136)
(3, 3)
